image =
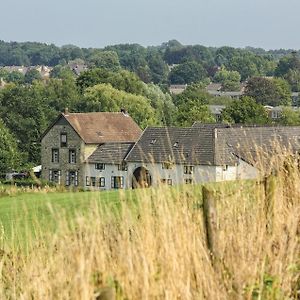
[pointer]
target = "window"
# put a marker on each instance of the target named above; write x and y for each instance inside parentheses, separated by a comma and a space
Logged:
(100, 167)
(72, 156)
(188, 180)
(93, 181)
(55, 155)
(188, 169)
(167, 165)
(117, 182)
(102, 181)
(63, 140)
(166, 181)
(225, 167)
(122, 167)
(87, 181)
(72, 178)
(54, 176)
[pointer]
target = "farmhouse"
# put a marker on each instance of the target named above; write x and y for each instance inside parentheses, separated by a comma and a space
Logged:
(109, 151)
(68, 143)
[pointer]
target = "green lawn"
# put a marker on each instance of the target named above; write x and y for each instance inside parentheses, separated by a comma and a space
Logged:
(22, 214)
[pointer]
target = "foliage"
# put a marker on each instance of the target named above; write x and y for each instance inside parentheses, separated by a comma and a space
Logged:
(230, 79)
(14, 76)
(122, 80)
(61, 72)
(28, 110)
(104, 59)
(32, 75)
(9, 154)
(193, 91)
(287, 63)
(245, 111)
(187, 72)
(289, 117)
(162, 103)
(103, 97)
(192, 106)
(268, 91)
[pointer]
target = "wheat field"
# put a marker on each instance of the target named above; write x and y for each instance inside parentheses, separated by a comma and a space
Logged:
(155, 247)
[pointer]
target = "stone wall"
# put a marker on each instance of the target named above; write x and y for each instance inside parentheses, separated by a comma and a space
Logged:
(52, 141)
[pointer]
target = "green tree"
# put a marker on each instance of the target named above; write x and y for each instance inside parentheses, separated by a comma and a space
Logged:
(32, 75)
(187, 72)
(158, 68)
(230, 79)
(103, 97)
(267, 91)
(15, 77)
(245, 111)
(289, 117)
(23, 113)
(192, 106)
(293, 78)
(104, 59)
(9, 155)
(193, 111)
(162, 103)
(61, 72)
(194, 91)
(121, 80)
(287, 63)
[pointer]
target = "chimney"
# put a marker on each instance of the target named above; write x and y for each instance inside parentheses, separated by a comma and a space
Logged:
(66, 111)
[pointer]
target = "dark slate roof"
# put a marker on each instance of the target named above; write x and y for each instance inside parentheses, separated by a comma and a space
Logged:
(113, 153)
(177, 145)
(214, 144)
(254, 145)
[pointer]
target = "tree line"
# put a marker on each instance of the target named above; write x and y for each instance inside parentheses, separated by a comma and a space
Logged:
(168, 63)
(119, 77)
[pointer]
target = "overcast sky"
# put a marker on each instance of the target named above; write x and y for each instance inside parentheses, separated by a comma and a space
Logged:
(268, 24)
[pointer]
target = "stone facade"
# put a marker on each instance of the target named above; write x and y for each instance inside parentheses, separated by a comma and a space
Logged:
(65, 170)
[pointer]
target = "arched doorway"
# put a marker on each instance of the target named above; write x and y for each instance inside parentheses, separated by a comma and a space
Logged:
(141, 178)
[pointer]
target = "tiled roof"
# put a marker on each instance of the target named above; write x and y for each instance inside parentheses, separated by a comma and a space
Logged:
(254, 144)
(104, 127)
(113, 153)
(214, 144)
(170, 144)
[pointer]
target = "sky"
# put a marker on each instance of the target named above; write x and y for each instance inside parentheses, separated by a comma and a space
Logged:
(269, 24)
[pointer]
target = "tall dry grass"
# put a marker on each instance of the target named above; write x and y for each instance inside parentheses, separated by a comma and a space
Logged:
(155, 248)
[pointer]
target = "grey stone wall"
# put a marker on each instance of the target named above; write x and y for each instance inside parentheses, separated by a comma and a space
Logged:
(52, 140)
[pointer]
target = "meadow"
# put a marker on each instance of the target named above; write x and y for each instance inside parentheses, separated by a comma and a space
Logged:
(152, 243)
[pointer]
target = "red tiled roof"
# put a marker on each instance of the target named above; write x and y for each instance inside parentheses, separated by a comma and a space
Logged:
(104, 127)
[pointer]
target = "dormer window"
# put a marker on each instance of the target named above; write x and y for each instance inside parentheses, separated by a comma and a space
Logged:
(63, 140)
(100, 166)
(175, 145)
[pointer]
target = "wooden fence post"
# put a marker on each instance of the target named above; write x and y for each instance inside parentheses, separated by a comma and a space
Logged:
(270, 189)
(210, 222)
